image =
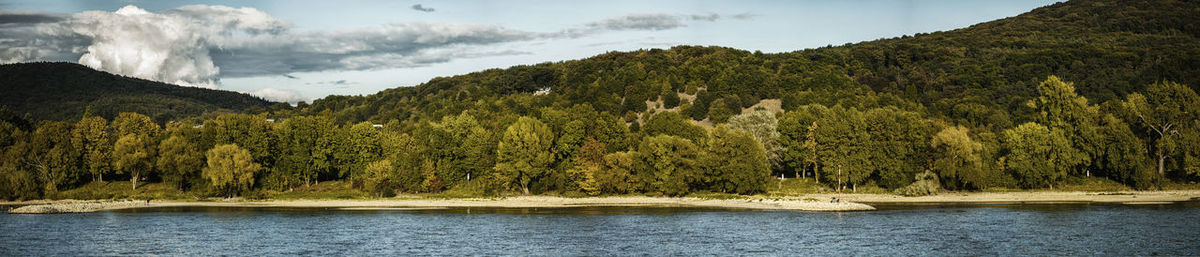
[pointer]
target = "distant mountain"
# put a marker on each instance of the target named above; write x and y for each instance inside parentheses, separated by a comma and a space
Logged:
(63, 91)
(980, 75)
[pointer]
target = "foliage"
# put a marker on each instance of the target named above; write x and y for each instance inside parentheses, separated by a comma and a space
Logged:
(230, 168)
(1039, 156)
(523, 153)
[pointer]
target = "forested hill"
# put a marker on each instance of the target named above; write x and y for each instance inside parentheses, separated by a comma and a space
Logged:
(981, 75)
(63, 91)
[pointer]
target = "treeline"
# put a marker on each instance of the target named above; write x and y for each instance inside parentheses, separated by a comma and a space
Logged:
(516, 147)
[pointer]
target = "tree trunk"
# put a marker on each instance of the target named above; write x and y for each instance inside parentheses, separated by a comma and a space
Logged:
(1161, 159)
(816, 173)
(525, 189)
(134, 180)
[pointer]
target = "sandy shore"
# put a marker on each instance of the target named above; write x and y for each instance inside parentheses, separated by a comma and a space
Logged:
(1130, 197)
(851, 202)
(508, 202)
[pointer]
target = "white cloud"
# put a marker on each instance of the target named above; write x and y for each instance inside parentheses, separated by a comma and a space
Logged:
(278, 95)
(196, 45)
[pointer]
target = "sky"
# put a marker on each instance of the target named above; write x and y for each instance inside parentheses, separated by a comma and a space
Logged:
(299, 50)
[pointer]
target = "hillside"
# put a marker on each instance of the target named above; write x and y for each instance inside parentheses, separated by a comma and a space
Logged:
(979, 76)
(63, 91)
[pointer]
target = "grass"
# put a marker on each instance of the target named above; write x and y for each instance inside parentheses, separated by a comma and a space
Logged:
(321, 190)
(1092, 184)
(121, 190)
(795, 187)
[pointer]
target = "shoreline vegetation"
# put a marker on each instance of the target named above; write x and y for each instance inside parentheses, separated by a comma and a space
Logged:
(808, 202)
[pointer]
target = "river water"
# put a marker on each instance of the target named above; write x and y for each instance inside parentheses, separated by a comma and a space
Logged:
(955, 230)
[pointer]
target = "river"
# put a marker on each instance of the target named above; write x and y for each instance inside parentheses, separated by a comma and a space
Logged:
(954, 230)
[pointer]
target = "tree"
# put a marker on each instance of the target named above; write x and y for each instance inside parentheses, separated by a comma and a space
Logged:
(797, 137)
(250, 132)
(617, 176)
(1039, 156)
(897, 145)
(230, 168)
(132, 156)
(719, 110)
(671, 123)
(1059, 108)
(586, 164)
(736, 161)
(90, 135)
(303, 157)
(673, 161)
(1123, 156)
(377, 176)
(957, 157)
(763, 126)
(847, 143)
(524, 152)
(179, 160)
(56, 159)
(1167, 110)
(135, 123)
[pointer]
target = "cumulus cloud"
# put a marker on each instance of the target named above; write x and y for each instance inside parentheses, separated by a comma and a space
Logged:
(418, 7)
(196, 45)
(278, 95)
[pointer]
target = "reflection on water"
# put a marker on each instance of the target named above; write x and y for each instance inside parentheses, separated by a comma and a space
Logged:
(1078, 229)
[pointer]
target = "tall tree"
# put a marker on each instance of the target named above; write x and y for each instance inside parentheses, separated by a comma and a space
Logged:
(524, 152)
(91, 136)
(179, 160)
(736, 161)
(1039, 156)
(1167, 110)
(763, 125)
(1058, 107)
(132, 156)
(230, 168)
(674, 163)
(957, 157)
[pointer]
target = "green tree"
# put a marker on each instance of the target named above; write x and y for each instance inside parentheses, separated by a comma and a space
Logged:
(91, 136)
(798, 138)
(673, 161)
(1058, 107)
(179, 160)
(671, 123)
(133, 157)
(763, 126)
(957, 157)
(305, 152)
(524, 152)
(1123, 156)
(589, 161)
(377, 177)
(128, 123)
(1167, 110)
(719, 110)
(736, 161)
(897, 146)
(251, 132)
(56, 160)
(618, 176)
(1039, 156)
(230, 168)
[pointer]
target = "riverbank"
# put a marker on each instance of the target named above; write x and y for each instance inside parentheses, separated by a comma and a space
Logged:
(70, 206)
(807, 202)
(1027, 197)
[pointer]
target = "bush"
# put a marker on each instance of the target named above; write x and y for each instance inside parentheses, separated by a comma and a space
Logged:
(926, 184)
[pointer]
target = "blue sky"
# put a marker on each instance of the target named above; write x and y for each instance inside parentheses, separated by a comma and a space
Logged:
(300, 50)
